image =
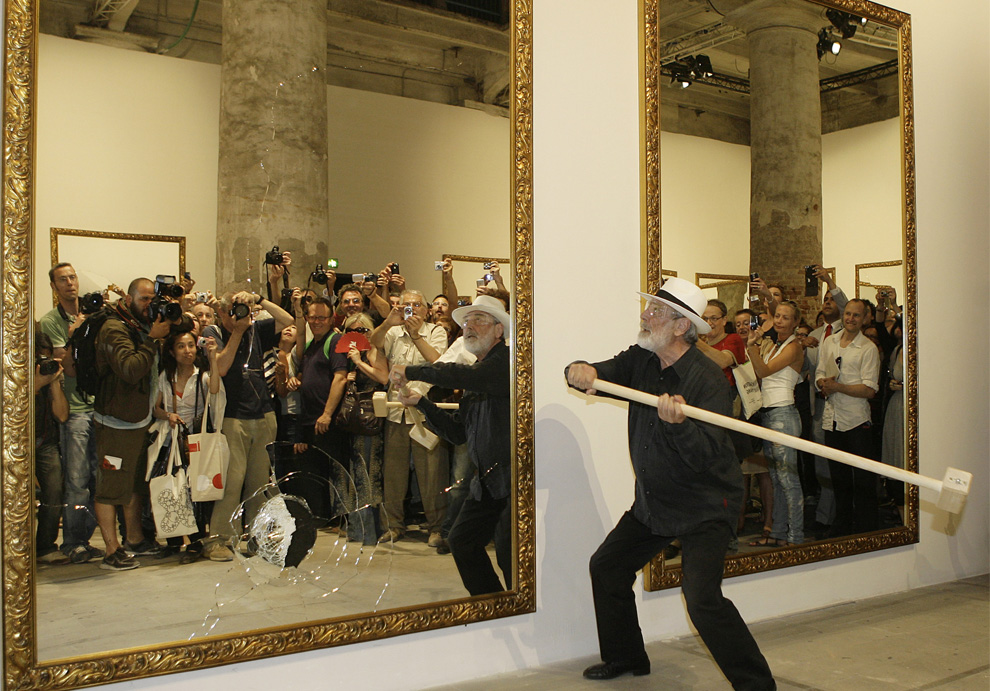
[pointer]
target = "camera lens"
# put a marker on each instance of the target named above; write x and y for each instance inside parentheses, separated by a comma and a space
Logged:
(171, 311)
(320, 278)
(90, 303)
(240, 310)
(48, 366)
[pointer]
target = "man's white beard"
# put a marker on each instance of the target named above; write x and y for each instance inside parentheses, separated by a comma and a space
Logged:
(655, 341)
(479, 346)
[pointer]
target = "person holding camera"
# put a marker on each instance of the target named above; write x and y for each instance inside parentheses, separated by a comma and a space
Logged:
(407, 339)
(127, 348)
(50, 409)
(79, 460)
(249, 418)
(779, 370)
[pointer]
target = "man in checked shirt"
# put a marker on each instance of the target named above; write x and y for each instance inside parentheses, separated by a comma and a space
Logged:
(688, 487)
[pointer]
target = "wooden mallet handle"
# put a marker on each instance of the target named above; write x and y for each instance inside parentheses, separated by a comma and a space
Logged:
(952, 489)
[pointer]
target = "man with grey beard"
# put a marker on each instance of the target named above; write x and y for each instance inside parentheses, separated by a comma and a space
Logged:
(484, 423)
(688, 487)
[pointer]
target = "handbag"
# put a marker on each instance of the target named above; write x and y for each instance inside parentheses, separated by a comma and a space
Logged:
(171, 503)
(356, 413)
(209, 457)
(749, 388)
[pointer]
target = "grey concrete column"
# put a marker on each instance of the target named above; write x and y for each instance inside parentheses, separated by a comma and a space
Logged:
(785, 139)
(272, 186)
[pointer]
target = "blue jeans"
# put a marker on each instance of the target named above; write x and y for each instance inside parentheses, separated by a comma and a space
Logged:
(366, 464)
(79, 463)
(788, 498)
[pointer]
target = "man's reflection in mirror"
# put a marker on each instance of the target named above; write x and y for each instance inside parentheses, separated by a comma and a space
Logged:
(51, 408)
(833, 302)
(249, 422)
(406, 338)
(78, 445)
(481, 434)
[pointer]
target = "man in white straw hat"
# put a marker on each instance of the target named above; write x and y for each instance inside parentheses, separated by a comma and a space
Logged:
(484, 423)
(688, 487)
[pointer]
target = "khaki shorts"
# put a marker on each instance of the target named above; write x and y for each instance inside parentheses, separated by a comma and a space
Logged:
(123, 455)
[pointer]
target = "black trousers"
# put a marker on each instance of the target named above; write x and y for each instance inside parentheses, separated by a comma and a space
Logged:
(856, 506)
(626, 550)
(476, 524)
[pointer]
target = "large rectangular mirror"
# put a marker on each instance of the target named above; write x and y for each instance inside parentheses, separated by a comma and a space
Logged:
(110, 124)
(705, 131)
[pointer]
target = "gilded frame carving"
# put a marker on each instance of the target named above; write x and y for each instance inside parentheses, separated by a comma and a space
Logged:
(872, 265)
(22, 669)
(655, 575)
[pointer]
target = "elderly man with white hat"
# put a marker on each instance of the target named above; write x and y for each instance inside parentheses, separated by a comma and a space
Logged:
(688, 487)
(483, 421)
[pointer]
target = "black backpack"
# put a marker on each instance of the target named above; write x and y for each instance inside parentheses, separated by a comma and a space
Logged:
(82, 345)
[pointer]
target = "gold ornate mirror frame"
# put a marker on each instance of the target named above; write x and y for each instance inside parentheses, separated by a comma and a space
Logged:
(21, 667)
(656, 576)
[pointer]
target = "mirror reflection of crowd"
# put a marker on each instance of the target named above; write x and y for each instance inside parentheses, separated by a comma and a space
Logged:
(275, 370)
(838, 382)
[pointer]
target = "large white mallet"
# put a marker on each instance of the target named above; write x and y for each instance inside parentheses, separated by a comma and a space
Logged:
(952, 490)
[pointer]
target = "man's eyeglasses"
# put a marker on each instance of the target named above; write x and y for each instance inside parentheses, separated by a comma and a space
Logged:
(712, 320)
(317, 319)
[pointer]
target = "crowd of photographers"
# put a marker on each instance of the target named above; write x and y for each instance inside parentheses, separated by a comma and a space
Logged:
(837, 382)
(286, 370)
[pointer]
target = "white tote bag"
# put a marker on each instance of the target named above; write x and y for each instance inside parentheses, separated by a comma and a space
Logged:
(209, 457)
(171, 504)
(749, 388)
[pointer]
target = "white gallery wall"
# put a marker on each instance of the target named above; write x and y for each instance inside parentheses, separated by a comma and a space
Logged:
(127, 143)
(704, 213)
(587, 221)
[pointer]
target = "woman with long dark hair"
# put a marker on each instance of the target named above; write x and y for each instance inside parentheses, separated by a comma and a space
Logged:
(183, 387)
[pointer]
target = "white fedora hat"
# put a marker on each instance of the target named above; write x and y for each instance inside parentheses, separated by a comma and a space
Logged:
(486, 304)
(686, 298)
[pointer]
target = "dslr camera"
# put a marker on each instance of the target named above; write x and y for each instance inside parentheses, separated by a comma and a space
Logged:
(274, 257)
(91, 303)
(239, 310)
(161, 307)
(319, 275)
(166, 286)
(47, 366)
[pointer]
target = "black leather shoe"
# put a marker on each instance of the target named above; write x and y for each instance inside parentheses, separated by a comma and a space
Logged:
(611, 670)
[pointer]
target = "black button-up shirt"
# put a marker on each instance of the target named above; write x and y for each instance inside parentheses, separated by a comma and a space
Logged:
(686, 473)
(483, 419)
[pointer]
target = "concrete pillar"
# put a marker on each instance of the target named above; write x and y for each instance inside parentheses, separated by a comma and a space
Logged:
(272, 186)
(785, 136)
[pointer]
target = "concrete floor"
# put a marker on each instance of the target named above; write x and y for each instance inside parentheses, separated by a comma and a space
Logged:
(927, 638)
(167, 601)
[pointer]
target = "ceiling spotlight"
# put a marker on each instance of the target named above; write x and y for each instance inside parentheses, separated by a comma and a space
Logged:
(682, 78)
(846, 23)
(703, 67)
(826, 44)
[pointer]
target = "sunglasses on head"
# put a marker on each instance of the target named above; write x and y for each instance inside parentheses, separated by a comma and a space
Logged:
(358, 329)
